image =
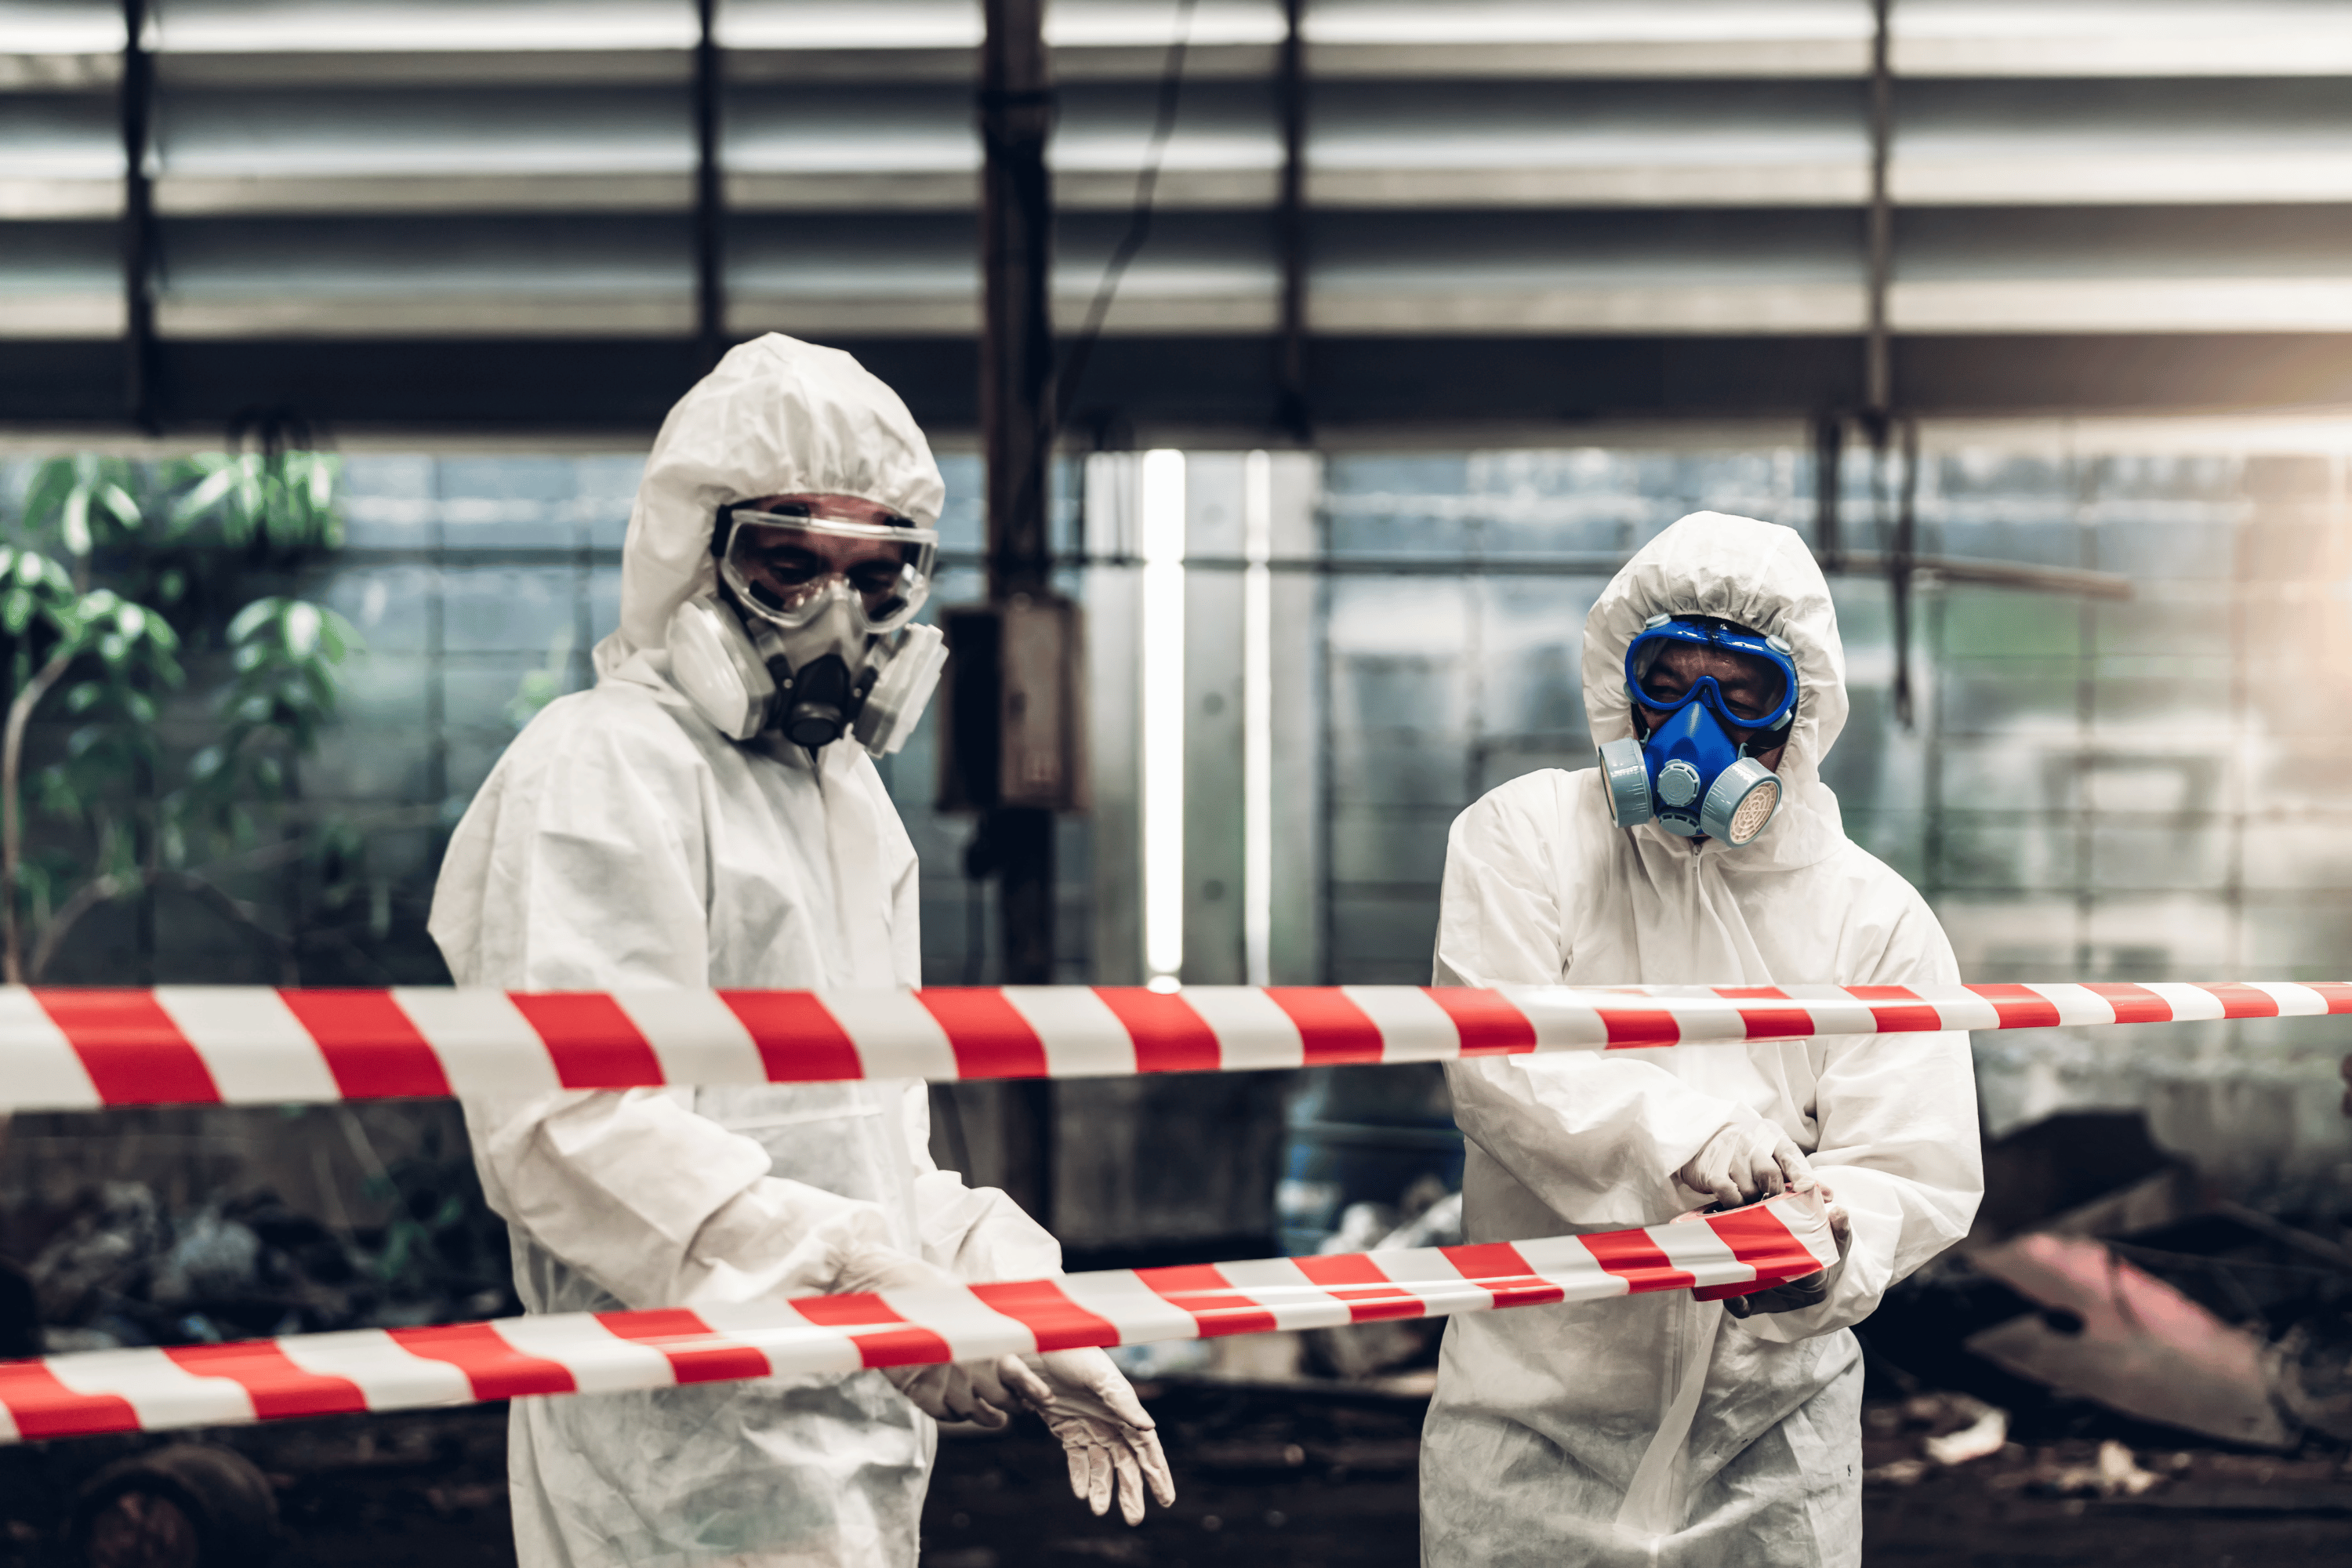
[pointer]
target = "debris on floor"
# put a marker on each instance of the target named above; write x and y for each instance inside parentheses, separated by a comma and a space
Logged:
(2113, 1472)
(2112, 1332)
(120, 1270)
(1906, 1440)
(2314, 1372)
(1425, 1216)
(1980, 1437)
(2105, 1286)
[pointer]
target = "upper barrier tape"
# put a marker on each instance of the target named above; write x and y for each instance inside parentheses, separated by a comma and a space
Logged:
(95, 1391)
(205, 1044)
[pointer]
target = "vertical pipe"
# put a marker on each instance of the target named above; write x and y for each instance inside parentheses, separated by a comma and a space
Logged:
(1290, 369)
(1016, 401)
(436, 674)
(709, 190)
(1016, 411)
(1898, 570)
(1878, 368)
(2238, 768)
(1017, 344)
(137, 103)
(2083, 480)
(1257, 719)
(1327, 903)
(1931, 851)
(1829, 480)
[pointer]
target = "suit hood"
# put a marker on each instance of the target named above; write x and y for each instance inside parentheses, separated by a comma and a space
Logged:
(778, 416)
(1760, 575)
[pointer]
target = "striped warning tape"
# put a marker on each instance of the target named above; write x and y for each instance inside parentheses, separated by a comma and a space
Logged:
(94, 1391)
(201, 1045)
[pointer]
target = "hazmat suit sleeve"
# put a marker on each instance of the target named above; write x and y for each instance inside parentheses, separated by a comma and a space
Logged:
(594, 881)
(1898, 1145)
(1595, 1138)
(977, 1234)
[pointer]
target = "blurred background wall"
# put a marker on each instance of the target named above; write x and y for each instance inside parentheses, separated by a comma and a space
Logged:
(2033, 320)
(2090, 787)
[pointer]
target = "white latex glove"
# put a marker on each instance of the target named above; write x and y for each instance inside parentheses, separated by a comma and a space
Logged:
(1810, 1291)
(1747, 1160)
(1105, 1435)
(985, 1393)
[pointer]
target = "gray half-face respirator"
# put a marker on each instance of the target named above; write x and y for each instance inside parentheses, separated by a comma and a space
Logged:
(811, 632)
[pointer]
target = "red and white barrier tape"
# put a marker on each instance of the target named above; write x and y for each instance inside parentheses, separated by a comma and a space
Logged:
(201, 1045)
(469, 1364)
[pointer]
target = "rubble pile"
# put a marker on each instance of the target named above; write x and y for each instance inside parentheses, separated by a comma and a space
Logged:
(119, 1271)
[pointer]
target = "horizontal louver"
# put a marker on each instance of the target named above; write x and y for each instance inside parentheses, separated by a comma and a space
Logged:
(446, 172)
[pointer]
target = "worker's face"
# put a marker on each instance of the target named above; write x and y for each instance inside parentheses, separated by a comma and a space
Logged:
(787, 562)
(1748, 684)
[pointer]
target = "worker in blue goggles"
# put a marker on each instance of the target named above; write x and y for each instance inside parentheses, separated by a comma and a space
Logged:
(1713, 704)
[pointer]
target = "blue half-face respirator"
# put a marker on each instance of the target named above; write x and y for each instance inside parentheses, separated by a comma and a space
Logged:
(1688, 773)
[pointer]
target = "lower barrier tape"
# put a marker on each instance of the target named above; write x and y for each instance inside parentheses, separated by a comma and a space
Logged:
(63, 1049)
(94, 1391)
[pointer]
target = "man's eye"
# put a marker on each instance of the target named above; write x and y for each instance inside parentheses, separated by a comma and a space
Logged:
(790, 566)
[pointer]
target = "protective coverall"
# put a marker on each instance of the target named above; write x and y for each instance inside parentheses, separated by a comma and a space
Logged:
(623, 842)
(1657, 1429)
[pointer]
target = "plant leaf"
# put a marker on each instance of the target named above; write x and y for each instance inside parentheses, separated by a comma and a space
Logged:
(252, 616)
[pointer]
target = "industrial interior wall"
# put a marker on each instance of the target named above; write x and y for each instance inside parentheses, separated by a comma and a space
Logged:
(2139, 789)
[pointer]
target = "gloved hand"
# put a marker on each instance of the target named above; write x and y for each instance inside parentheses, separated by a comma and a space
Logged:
(956, 1392)
(1798, 1294)
(985, 1393)
(1745, 1160)
(1105, 1434)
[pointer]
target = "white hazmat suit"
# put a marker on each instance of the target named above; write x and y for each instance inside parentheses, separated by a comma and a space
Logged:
(1658, 1429)
(623, 842)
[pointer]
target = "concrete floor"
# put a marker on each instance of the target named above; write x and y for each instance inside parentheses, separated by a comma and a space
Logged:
(1264, 1478)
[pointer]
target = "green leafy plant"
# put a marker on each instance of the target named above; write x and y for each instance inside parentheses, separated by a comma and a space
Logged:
(284, 500)
(118, 572)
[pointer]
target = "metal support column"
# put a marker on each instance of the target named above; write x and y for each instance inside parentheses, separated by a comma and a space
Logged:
(1829, 476)
(137, 102)
(709, 190)
(1878, 367)
(1016, 404)
(1902, 563)
(1290, 370)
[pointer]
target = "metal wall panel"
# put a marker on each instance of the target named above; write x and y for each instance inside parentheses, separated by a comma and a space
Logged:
(1475, 175)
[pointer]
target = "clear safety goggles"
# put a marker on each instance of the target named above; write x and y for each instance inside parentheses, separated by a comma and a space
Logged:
(788, 565)
(1763, 695)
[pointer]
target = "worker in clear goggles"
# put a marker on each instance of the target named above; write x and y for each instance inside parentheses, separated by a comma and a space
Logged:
(708, 816)
(1662, 1431)
(817, 593)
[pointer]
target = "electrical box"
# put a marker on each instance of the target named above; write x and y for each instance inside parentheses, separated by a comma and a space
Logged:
(1013, 731)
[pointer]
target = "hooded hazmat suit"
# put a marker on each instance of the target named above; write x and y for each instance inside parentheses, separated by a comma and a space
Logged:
(1658, 1429)
(623, 842)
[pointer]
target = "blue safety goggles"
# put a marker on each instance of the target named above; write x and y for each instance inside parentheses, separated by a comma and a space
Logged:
(1765, 700)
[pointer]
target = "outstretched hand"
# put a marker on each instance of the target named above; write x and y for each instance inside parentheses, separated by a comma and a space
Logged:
(1107, 1436)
